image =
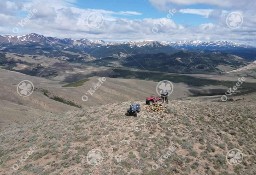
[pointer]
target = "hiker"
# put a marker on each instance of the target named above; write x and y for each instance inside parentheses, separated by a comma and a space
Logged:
(164, 96)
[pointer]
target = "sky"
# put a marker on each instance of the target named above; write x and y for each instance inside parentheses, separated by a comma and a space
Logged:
(123, 20)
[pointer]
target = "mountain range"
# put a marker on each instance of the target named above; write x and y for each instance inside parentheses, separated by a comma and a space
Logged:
(34, 38)
(42, 56)
(40, 44)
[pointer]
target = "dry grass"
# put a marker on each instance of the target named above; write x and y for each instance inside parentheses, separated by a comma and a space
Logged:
(201, 132)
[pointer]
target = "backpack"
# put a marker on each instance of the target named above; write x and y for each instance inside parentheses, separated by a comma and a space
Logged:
(135, 107)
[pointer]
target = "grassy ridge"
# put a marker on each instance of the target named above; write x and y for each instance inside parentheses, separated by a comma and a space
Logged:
(77, 83)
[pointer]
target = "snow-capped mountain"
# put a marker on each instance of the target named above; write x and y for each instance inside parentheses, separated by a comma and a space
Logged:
(33, 37)
(109, 48)
(198, 43)
(36, 38)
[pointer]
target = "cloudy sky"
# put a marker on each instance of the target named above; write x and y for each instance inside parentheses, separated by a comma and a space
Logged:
(161, 20)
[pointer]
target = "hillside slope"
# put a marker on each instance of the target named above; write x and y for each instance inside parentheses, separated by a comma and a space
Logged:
(192, 137)
(53, 96)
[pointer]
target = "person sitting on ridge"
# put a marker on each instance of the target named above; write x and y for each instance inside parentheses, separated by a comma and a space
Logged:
(164, 96)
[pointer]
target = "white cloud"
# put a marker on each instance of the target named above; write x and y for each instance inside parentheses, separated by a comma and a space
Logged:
(203, 12)
(207, 26)
(190, 2)
(219, 3)
(129, 13)
(64, 19)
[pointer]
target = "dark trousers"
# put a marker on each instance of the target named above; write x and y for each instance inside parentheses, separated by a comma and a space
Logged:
(164, 98)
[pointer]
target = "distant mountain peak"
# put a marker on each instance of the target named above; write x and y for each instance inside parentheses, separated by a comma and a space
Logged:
(34, 37)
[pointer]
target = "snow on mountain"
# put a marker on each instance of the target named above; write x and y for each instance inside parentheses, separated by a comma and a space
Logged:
(198, 43)
(33, 37)
(180, 44)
